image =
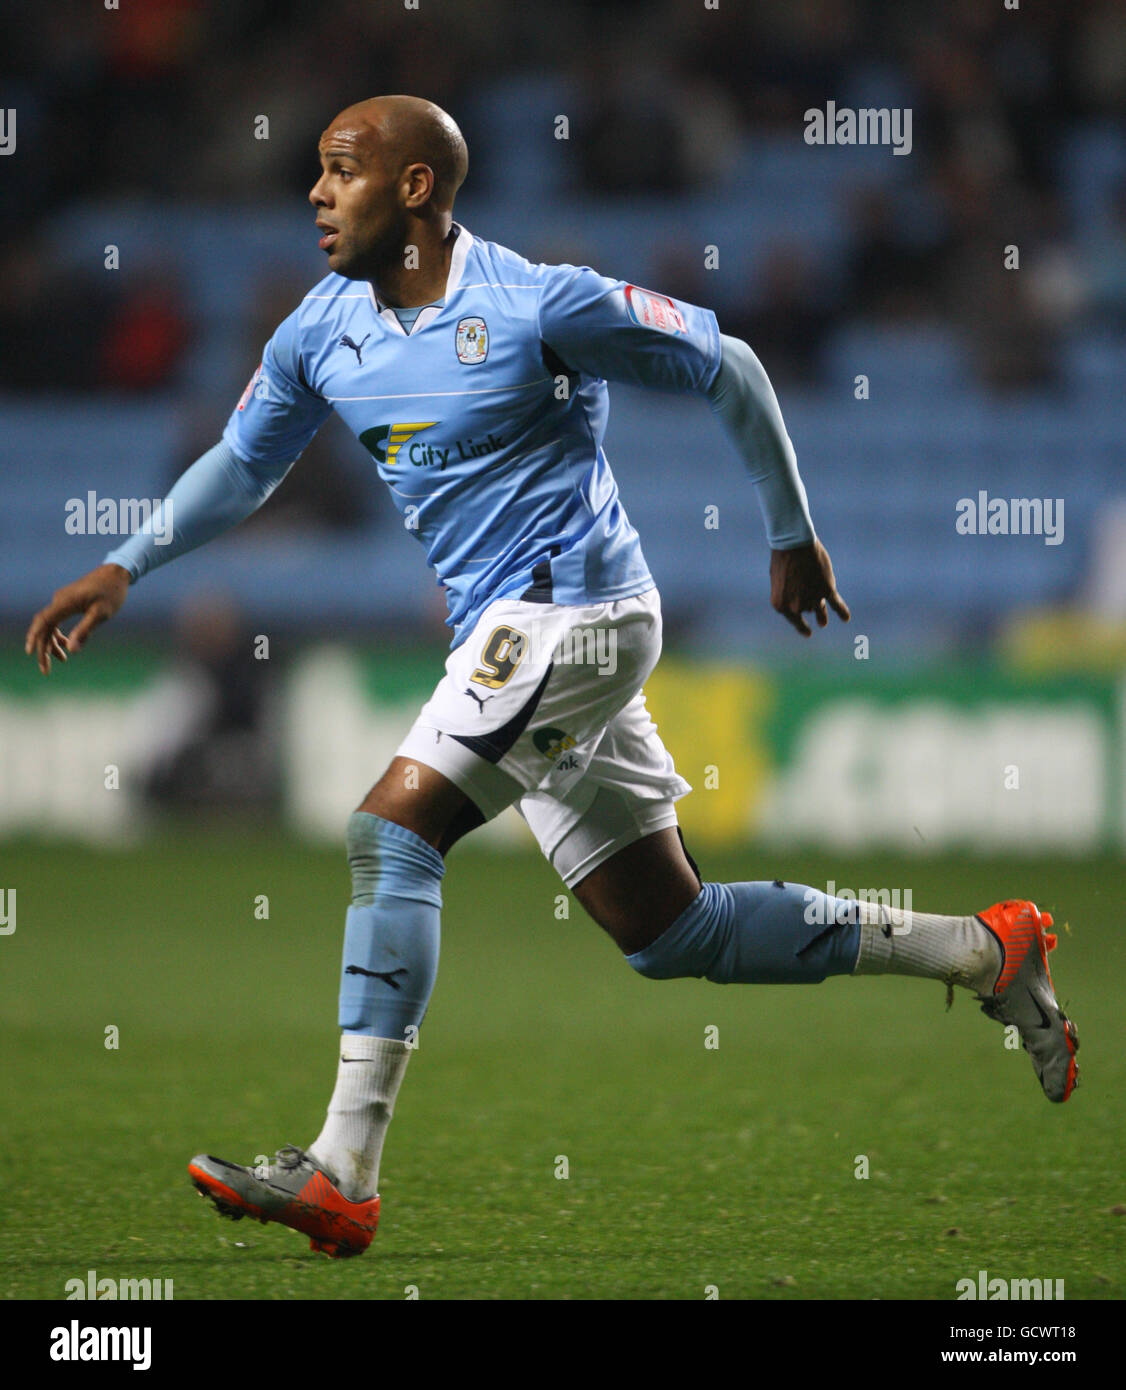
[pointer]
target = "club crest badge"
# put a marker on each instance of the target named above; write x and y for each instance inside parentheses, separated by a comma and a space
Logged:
(472, 341)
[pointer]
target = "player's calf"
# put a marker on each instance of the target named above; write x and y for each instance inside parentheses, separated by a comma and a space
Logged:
(391, 944)
(756, 933)
(779, 933)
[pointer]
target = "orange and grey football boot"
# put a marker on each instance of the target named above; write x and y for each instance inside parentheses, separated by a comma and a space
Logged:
(1023, 994)
(295, 1191)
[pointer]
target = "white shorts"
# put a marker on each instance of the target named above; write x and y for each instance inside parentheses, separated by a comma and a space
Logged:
(541, 707)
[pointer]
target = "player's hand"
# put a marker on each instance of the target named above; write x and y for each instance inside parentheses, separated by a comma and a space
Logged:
(97, 596)
(801, 581)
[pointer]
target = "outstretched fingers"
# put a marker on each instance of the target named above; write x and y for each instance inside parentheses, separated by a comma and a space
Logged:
(839, 607)
(794, 617)
(44, 638)
(95, 615)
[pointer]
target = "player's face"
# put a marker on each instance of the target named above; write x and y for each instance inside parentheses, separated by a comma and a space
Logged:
(359, 215)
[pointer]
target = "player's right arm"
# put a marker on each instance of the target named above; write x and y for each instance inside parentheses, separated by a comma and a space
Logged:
(273, 422)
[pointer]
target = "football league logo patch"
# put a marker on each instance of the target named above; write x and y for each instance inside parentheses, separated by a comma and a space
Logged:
(472, 341)
(649, 310)
(244, 399)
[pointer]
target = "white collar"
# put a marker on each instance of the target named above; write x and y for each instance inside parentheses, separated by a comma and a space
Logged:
(462, 244)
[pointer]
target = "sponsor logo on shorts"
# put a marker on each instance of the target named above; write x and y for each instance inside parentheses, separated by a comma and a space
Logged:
(552, 743)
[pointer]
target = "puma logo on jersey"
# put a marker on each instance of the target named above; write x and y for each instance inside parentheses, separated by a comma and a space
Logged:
(347, 342)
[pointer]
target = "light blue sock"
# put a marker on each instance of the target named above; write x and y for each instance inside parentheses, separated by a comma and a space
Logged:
(756, 933)
(393, 928)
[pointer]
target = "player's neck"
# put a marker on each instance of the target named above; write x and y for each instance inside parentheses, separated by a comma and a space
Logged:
(418, 274)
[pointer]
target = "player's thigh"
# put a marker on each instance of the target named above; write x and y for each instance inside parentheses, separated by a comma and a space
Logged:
(420, 798)
(640, 890)
(614, 838)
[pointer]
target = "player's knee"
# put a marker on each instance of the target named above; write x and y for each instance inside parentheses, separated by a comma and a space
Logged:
(385, 856)
(693, 946)
(656, 968)
(674, 955)
(421, 800)
(682, 961)
(362, 841)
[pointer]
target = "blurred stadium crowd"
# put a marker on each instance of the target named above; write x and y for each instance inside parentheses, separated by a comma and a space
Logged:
(136, 128)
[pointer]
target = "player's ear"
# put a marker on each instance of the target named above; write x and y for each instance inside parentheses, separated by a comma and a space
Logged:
(420, 184)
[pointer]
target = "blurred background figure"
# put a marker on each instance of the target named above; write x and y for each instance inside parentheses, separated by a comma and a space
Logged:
(216, 744)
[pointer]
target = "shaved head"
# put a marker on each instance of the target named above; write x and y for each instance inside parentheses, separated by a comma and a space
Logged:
(390, 170)
(404, 130)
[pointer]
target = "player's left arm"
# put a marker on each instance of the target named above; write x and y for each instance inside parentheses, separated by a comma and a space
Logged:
(801, 573)
(609, 329)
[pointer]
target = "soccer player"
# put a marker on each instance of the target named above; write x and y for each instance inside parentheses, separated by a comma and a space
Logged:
(478, 382)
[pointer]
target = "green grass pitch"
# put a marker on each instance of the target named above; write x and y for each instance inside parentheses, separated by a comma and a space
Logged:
(689, 1167)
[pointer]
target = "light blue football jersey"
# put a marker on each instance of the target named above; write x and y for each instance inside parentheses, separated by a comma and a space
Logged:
(486, 420)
